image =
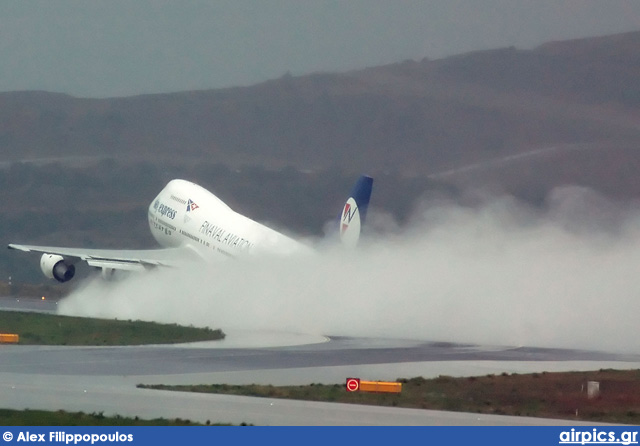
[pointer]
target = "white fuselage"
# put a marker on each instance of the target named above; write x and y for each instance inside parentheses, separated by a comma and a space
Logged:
(185, 214)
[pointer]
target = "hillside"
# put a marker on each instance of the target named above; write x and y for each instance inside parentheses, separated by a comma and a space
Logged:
(413, 116)
(522, 121)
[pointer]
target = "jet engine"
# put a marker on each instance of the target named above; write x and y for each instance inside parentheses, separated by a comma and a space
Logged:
(55, 267)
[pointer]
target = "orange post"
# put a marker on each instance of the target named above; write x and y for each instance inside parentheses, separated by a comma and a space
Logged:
(6, 338)
(380, 386)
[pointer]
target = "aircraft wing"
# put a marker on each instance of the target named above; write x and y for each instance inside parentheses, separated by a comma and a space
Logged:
(127, 259)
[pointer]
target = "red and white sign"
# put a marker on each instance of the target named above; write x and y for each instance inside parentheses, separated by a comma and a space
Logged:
(353, 384)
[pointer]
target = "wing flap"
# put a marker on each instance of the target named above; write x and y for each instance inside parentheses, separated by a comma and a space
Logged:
(116, 264)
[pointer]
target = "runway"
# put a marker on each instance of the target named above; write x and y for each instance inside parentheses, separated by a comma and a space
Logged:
(103, 379)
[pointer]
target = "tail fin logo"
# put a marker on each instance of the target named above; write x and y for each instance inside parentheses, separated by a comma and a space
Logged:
(350, 223)
(347, 215)
(354, 212)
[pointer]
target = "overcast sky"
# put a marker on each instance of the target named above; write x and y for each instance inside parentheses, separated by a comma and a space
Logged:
(126, 47)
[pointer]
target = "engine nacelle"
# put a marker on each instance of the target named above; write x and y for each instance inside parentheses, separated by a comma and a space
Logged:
(54, 267)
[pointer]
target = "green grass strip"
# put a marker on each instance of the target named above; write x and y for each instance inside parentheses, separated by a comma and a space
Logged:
(29, 417)
(548, 395)
(49, 329)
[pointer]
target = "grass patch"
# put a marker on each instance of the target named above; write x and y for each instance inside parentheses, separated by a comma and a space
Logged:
(29, 417)
(49, 329)
(548, 395)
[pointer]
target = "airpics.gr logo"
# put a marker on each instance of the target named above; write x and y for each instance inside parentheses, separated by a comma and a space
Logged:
(191, 205)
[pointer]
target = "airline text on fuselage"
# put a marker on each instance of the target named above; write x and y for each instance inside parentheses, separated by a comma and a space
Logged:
(164, 210)
(220, 235)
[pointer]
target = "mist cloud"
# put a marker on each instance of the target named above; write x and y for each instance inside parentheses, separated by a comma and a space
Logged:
(498, 272)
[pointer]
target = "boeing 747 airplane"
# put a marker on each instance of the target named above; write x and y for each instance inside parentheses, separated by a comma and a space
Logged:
(189, 222)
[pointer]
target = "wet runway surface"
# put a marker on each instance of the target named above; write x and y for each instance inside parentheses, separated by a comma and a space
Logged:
(159, 360)
(28, 304)
(103, 379)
